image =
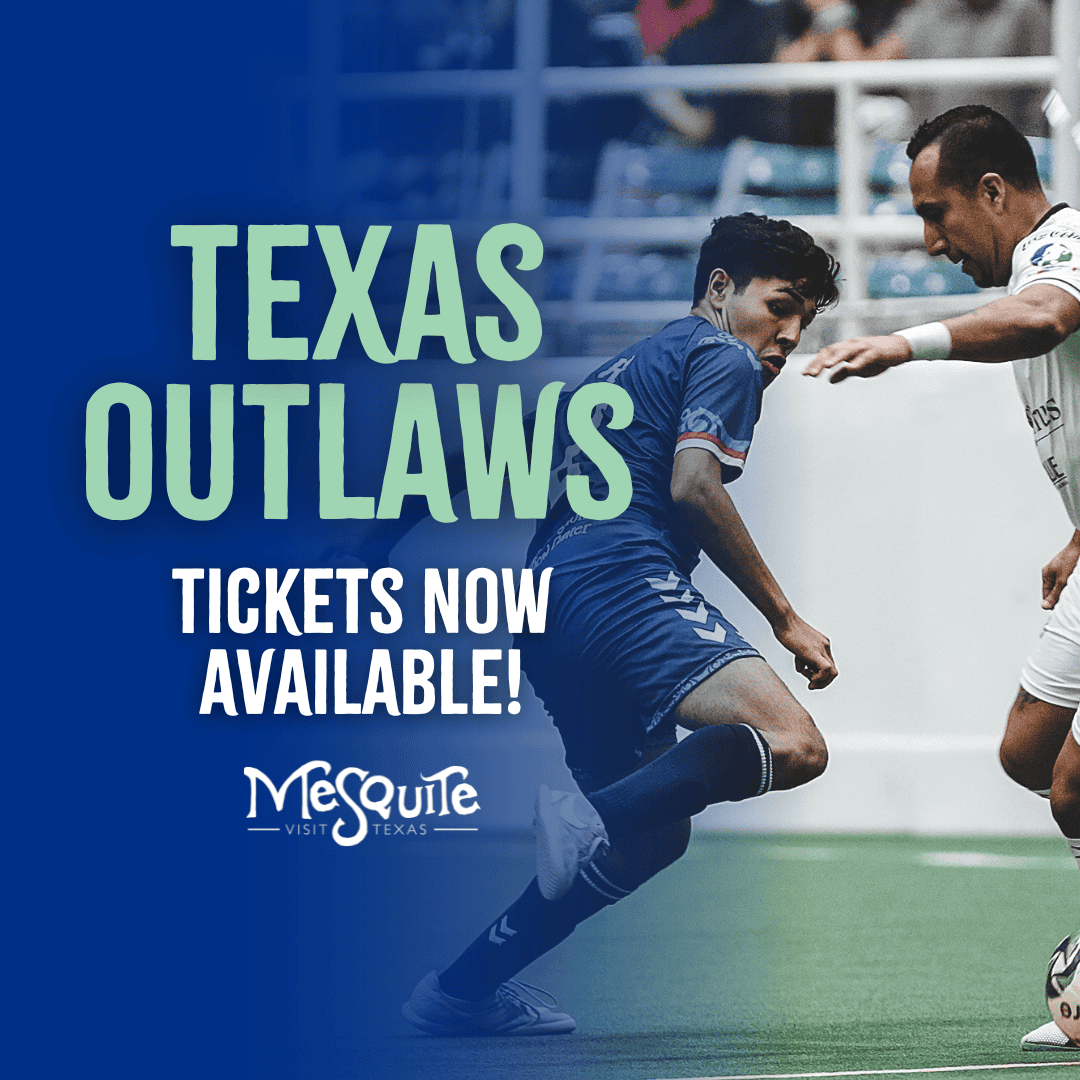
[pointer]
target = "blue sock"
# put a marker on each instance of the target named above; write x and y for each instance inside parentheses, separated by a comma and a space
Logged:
(529, 927)
(721, 763)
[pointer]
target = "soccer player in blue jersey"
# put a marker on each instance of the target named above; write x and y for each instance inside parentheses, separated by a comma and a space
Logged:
(632, 649)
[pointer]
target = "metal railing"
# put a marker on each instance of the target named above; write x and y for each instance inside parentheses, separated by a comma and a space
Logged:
(531, 85)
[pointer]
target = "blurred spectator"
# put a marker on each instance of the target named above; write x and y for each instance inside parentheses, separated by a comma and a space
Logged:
(756, 32)
(822, 27)
(713, 32)
(818, 29)
(947, 30)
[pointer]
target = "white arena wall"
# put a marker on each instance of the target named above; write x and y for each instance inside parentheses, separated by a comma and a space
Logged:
(908, 518)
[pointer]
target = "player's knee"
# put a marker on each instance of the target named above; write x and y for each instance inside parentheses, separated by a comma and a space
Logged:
(1065, 806)
(813, 757)
(1024, 763)
(1017, 764)
(798, 756)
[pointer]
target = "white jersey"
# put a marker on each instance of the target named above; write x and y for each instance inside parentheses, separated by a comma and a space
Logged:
(1050, 385)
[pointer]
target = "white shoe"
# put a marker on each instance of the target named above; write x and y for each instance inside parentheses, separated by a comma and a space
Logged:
(568, 833)
(516, 1008)
(1047, 1037)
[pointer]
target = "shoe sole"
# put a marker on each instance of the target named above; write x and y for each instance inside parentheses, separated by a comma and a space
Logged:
(1032, 1043)
(418, 1021)
(561, 1027)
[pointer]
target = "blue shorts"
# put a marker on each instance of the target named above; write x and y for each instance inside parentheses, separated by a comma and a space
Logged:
(623, 646)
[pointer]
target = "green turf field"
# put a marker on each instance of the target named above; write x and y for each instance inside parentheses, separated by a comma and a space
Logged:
(755, 956)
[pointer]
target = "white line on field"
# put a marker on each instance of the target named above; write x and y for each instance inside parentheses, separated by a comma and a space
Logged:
(982, 859)
(950, 859)
(889, 1072)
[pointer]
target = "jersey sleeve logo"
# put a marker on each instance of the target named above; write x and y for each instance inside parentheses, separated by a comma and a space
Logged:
(610, 374)
(702, 427)
(1051, 256)
(724, 338)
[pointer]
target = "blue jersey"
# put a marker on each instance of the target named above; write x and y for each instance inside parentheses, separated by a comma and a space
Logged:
(692, 385)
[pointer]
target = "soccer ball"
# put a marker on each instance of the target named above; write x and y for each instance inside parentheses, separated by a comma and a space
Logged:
(1063, 986)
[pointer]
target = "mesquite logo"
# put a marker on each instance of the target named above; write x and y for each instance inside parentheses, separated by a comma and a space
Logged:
(442, 795)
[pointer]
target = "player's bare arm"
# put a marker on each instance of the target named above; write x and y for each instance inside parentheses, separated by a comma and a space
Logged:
(1015, 327)
(1012, 328)
(1056, 572)
(707, 510)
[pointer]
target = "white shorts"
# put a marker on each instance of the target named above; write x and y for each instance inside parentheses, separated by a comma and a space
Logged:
(1052, 671)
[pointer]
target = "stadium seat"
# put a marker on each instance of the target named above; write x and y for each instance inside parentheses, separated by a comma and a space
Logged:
(899, 203)
(559, 271)
(656, 181)
(889, 166)
(651, 276)
(748, 176)
(915, 274)
(782, 205)
(772, 168)
(768, 178)
(444, 186)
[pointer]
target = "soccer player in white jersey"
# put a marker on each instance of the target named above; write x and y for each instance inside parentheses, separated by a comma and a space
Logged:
(975, 185)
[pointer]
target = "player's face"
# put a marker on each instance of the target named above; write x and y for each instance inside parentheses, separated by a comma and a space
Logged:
(769, 314)
(959, 226)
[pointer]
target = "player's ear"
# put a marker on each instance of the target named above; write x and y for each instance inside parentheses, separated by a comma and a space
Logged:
(992, 189)
(719, 287)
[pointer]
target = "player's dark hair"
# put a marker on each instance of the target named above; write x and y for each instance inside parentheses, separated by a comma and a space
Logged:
(974, 140)
(752, 246)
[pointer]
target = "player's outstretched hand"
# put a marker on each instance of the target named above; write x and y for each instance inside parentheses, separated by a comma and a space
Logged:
(862, 356)
(1056, 572)
(813, 655)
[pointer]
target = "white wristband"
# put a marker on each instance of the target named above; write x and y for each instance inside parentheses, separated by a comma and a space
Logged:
(930, 341)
